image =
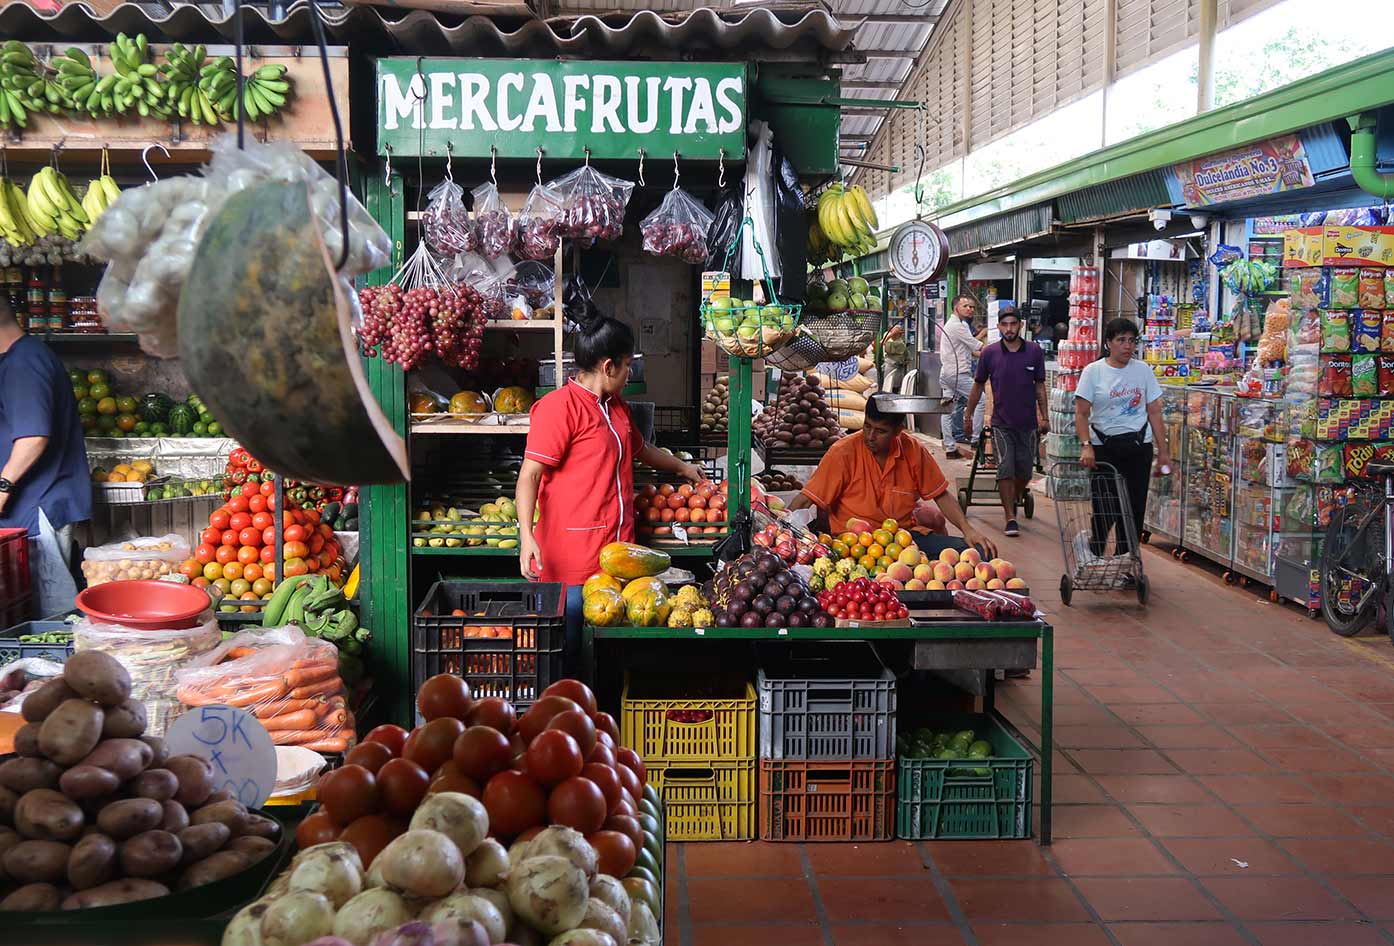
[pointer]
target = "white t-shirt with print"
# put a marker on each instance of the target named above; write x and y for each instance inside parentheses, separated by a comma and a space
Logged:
(1118, 397)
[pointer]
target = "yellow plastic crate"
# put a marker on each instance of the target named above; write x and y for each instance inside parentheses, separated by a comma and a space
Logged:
(712, 801)
(699, 718)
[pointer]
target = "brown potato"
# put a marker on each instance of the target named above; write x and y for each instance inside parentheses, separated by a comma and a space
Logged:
(195, 776)
(129, 817)
(231, 813)
(37, 862)
(255, 848)
(159, 784)
(150, 854)
(71, 731)
(33, 898)
(115, 892)
(260, 826)
(221, 794)
(45, 700)
(126, 720)
(202, 840)
(82, 782)
(27, 740)
(126, 757)
(176, 818)
(8, 800)
(95, 675)
(92, 862)
(158, 747)
(46, 815)
(214, 868)
(9, 837)
(25, 775)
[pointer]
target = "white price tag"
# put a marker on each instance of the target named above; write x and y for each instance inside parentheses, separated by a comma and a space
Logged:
(680, 533)
(235, 742)
(699, 631)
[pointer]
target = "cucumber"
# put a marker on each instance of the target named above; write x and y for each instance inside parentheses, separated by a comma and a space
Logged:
(653, 847)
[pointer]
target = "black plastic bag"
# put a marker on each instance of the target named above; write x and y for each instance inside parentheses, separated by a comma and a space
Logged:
(790, 228)
(577, 304)
(737, 542)
(730, 211)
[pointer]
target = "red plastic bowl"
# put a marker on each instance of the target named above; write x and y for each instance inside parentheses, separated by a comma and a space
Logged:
(145, 605)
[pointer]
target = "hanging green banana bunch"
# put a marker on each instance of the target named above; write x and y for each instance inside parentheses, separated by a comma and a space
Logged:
(85, 90)
(137, 87)
(26, 86)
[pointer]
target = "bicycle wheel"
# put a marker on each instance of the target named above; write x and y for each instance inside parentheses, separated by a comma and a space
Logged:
(1346, 603)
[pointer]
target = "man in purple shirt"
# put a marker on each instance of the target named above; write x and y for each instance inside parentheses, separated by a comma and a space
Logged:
(1016, 369)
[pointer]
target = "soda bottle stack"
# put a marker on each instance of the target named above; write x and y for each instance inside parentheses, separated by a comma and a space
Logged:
(1080, 347)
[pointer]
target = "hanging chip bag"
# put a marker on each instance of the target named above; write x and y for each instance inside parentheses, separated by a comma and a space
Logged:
(1364, 376)
(1335, 332)
(1368, 325)
(1335, 376)
(1345, 287)
(1386, 376)
(1371, 288)
(1329, 463)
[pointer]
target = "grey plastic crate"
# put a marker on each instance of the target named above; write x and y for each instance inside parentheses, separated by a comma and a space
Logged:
(11, 649)
(825, 701)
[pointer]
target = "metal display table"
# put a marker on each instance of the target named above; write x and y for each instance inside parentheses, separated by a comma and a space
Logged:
(942, 641)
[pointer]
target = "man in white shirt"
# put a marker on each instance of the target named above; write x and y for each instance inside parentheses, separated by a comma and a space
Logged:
(960, 346)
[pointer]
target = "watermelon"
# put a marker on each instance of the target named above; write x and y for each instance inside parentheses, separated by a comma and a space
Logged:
(181, 420)
(155, 408)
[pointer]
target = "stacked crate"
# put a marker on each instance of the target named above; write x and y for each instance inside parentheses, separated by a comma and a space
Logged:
(15, 597)
(827, 743)
(696, 734)
(964, 798)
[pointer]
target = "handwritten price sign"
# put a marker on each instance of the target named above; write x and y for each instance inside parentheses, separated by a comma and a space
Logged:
(236, 743)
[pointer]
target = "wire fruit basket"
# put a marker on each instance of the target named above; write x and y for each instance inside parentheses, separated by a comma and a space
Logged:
(742, 327)
(843, 333)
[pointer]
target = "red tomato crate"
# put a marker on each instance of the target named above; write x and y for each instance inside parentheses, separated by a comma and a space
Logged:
(804, 800)
(14, 566)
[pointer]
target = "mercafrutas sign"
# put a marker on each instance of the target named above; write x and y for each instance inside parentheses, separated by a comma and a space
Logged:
(612, 109)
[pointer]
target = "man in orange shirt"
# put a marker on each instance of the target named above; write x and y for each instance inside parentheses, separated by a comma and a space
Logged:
(883, 473)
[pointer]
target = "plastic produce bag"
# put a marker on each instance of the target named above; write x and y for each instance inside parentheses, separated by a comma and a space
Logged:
(678, 227)
(759, 208)
(535, 282)
(577, 302)
(594, 204)
(790, 227)
(730, 210)
(446, 222)
(153, 658)
(539, 224)
(134, 559)
(493, 221)
(290, 682)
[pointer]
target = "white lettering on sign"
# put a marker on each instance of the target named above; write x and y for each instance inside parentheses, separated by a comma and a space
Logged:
(631, 104)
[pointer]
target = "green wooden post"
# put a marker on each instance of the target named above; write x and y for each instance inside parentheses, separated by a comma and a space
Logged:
(738, 437)
(386, 603)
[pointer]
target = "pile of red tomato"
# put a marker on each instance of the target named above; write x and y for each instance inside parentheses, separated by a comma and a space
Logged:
(863, 600)
(237, 552)
(558, 763)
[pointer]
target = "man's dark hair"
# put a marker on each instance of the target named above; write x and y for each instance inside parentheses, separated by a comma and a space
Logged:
(1008, 312)
(1122, 325)
(7, 312)
(962, 295)
(874, 412)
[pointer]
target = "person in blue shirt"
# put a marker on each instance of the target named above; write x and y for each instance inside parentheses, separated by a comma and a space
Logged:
(44, 484)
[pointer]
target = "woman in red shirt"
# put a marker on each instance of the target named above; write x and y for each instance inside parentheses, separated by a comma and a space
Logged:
(578, 469)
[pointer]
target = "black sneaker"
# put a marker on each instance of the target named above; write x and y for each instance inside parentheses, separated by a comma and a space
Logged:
(1013, 529)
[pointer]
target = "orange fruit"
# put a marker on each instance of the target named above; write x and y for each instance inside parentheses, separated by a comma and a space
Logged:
(865, 540)
(249, 596)
(191, 568)
(222, 584)
(867, 562)
(232, 570)
(212, 571)
(296, 566)
(261, 587)
(240, 586)
(903, 538)
(882, 537)
(875, 550)
(848, 538)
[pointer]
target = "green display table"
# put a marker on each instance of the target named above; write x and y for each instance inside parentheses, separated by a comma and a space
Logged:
(941, 639)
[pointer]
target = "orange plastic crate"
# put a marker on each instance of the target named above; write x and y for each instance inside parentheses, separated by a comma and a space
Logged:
(819, 800)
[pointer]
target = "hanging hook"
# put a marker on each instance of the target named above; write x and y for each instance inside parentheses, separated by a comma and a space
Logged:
(588, 156)
(721, 168)
(676, 172)
(642, 183)
(387, 170)
(106, 160)
(53, 152)
(539, 165)
(449, 155)
(493, 162)
(145, 159)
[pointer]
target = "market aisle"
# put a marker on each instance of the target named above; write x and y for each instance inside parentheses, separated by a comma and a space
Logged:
(1225, 776)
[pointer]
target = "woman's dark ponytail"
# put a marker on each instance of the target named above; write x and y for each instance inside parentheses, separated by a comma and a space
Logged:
(600, 337)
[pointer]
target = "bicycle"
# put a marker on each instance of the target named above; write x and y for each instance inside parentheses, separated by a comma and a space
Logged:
(1357, 561)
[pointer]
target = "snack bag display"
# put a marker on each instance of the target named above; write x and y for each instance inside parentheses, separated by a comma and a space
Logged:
(1309, 289)
(1371, 292)
(1300, 459)
(1364, 376)
(1273, 343)
(1345, 287)
(1368, 326)
(1335, 332)
(1389, 288)
(1386, 375)
(1335, 376)
(1329, 463)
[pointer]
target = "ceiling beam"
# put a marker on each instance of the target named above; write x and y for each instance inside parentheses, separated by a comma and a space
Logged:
(886, 53)
(866, 84)
(918, 19)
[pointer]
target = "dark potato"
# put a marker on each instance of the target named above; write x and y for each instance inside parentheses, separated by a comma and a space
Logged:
(176, 817)
(221, 794)
(158, 747)
(8, 839)
(82, 782)
(37, 862)
(8, 800)
(202, 840)
(158, 784)
(98, 676)
(260, 826)
(255, 848)
(195, 776)
(127, 818)
(126, 720)
(46, 815)
(92, 862)
(33, 898)
(150, 854)
(231, 813)
(27, 740)
(115, 892)
(25, 775)
(126, 757)
(45, 700)
(71, 731)
(212, 869)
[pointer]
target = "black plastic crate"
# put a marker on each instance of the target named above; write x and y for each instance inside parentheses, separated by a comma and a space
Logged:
(520, 654)
(12, 649)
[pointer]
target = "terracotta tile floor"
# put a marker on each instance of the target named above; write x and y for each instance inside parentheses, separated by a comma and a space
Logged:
(1225, 777)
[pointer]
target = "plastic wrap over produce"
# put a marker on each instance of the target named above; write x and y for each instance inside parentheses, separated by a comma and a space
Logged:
(290, 682)
(141, 559)
(185, 457)
(153, 658)
(150, 234)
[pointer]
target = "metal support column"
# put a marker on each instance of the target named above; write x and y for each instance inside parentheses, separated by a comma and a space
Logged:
(1205, 84)
(738, 437)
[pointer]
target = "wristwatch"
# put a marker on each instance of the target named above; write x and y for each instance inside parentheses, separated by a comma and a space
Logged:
(5, 485)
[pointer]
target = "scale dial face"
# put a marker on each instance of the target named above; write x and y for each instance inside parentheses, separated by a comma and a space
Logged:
(919, 252)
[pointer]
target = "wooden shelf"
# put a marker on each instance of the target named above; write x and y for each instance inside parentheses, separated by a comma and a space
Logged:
(463, 550)
(87, 338)
(523, 325)
(451, 425)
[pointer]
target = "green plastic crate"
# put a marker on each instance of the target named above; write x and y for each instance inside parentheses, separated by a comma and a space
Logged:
(931, 804)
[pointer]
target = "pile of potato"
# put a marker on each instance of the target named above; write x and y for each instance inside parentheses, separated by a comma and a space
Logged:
(94, 813)
(716, 407)
(799, 417)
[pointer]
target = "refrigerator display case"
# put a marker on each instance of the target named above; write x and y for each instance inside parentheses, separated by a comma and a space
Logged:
(1262, 486)
(1208, 480)
(1163, 519)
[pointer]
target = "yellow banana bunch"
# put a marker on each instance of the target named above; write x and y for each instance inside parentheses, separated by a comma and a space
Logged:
(101, 194)
(846, 218)
(15, 226)
(52, 206)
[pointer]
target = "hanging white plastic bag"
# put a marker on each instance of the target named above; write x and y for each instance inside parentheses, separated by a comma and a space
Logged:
(759, 207)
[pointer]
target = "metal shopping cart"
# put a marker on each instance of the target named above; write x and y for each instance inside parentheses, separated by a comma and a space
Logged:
(1097, 533)
(985, 466)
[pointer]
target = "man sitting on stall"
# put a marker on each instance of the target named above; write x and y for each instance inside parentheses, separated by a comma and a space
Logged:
(883, 473)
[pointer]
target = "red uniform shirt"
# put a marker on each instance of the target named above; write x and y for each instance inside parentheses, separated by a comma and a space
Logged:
(588, 446)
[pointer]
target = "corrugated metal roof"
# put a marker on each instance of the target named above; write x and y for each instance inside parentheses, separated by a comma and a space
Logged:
(999, 231)
(1139, 192)
(644, 34)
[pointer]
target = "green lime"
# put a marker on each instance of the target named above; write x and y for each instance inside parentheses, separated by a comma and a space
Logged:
(948, 754)
(200, 429)
(215, 429)
(982, 749)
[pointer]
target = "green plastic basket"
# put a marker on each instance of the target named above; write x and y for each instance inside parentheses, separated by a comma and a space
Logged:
(932, 804)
